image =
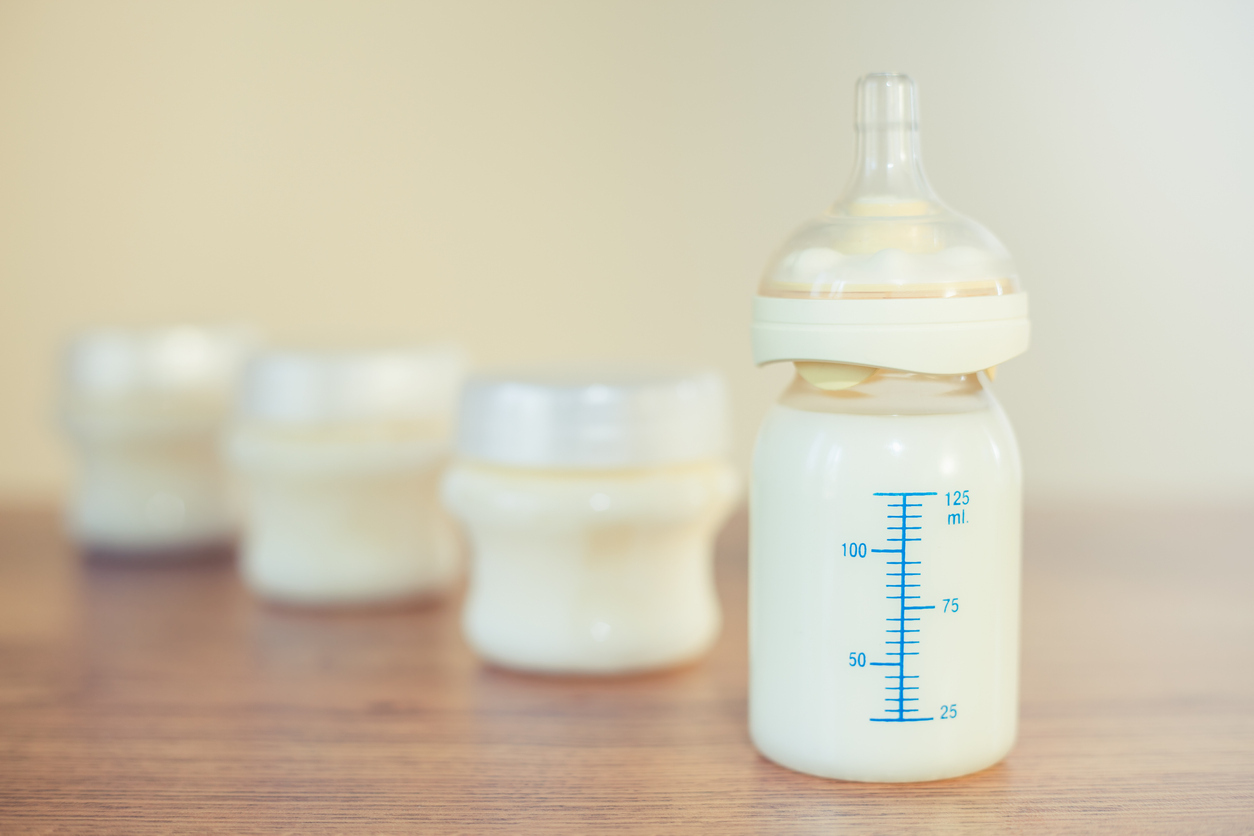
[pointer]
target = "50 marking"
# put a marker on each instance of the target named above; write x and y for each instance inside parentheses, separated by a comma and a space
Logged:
(857, 660)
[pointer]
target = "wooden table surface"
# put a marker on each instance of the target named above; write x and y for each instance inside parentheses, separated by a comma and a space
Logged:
(145, 699)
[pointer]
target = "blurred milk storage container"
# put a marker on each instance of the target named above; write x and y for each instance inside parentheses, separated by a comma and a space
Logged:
(591, 501)
(144, 410)
(885, 514)
(340, 454)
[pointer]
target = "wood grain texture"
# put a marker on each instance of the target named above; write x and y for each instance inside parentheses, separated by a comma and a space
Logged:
(152, 699)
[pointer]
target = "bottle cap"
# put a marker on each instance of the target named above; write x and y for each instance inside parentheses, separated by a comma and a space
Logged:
(889, 276)
(178, 360)
(593, 419)
(337, 386)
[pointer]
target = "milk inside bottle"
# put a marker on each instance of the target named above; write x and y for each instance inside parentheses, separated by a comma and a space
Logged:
(886, 495)
(145, 409)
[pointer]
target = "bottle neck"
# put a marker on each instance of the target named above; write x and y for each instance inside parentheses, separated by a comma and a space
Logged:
(888, 166)
(890, 392)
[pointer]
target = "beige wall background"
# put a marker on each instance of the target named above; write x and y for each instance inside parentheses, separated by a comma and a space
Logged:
(606, 180)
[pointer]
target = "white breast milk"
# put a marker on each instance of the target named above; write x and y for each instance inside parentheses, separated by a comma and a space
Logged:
(145, 409)
(591, 502)
(340, 455)
(842, 481)
(885, 512)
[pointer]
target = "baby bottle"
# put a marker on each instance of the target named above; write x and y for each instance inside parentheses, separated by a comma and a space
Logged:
(144, 409)
(340, 454)
(885, 504)
(591, 502)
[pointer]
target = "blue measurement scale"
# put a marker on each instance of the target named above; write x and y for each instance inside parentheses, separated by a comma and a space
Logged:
(904, 628)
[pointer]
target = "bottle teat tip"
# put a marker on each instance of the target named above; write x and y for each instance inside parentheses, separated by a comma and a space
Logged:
(886, 100)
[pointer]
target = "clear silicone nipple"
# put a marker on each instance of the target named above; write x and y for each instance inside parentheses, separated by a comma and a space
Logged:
(889, 235)
(887, 178)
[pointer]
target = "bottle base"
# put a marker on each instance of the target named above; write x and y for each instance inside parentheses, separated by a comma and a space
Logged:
(588, 672)
(212, 549)
(883, 773)
(339, 601)
(621, 664)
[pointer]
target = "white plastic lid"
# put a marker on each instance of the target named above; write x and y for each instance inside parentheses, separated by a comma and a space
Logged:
(177, 360)
(330, 386)
(588, 419)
